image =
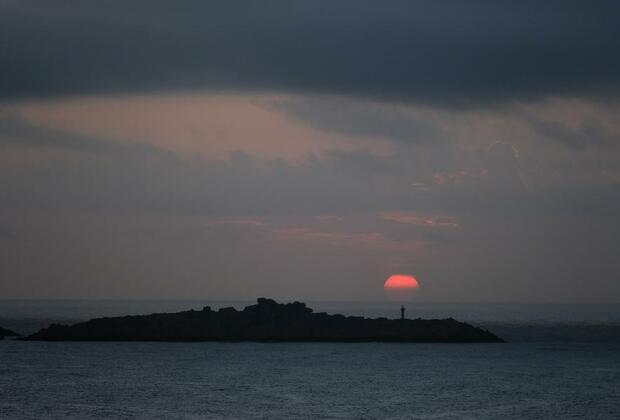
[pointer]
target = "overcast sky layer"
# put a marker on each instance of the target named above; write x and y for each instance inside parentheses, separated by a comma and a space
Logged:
(308, 150)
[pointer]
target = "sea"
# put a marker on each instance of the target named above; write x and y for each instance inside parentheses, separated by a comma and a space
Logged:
(561, 361)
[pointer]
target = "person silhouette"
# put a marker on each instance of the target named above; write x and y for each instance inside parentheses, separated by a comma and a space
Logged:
(402, 311)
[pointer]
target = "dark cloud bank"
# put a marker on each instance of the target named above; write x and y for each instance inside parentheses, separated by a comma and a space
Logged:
(448, 52)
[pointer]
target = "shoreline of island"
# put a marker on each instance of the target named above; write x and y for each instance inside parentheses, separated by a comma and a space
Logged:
(265, 321)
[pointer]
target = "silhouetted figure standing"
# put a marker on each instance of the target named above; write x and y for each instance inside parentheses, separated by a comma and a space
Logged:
(402, 311)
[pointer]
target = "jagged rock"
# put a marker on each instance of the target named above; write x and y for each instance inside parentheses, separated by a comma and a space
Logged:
(267, 320)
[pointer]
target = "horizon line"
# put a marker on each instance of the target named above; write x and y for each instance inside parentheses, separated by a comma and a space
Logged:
(290, 300)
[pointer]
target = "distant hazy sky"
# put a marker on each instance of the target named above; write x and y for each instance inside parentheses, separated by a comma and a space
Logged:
(309, 149)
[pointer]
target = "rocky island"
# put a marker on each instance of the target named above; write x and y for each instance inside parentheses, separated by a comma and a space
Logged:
(7, 333)
(267, 320)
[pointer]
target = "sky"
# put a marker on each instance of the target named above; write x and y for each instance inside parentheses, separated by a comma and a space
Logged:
(310, 149)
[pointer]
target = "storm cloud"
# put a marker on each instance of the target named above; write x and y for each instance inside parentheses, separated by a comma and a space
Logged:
(451, 52)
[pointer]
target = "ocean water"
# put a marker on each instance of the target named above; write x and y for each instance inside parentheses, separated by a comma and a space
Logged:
(562, 362)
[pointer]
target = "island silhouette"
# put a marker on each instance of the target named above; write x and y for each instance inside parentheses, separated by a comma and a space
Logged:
(265, 321)
(7, 333)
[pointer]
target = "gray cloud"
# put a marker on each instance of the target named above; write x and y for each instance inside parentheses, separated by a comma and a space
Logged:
(246, 226)
(83, 216)
(6, 233)
(15, 131)
(503, 167)
(361, 119)
(588, 134)
(452, 52)
(128, 177)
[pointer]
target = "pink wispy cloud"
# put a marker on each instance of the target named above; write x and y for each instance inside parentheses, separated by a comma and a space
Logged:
(420, 186)
(237, 222)
(456, 177)
(410, 218)
(373, 240)
(332, 238)
(611, 176)
(328, 218)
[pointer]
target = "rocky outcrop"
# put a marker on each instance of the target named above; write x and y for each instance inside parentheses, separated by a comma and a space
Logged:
(265, 321)
(7, 333)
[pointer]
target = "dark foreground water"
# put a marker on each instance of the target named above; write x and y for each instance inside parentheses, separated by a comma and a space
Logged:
(569, 367)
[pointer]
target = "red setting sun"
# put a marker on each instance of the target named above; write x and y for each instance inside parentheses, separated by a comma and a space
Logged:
(400, 287)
